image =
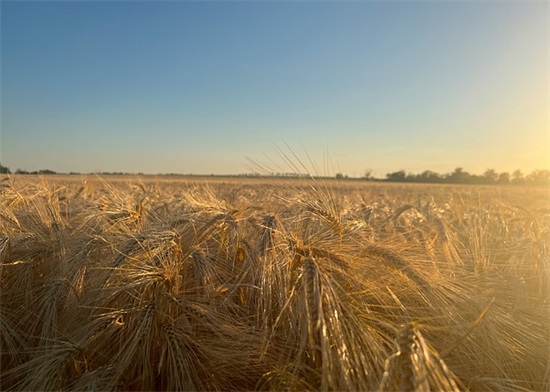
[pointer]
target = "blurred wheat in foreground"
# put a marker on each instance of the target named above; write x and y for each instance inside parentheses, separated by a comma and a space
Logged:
(129, 284)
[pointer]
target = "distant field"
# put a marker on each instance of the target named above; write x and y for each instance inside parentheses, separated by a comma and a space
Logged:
(208, 283)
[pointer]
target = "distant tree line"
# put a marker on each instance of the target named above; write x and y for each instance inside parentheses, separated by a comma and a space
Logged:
(43, 171)
(4, 169)
(459, 176)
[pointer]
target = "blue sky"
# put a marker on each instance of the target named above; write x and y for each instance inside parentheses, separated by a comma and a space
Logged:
(198, 87)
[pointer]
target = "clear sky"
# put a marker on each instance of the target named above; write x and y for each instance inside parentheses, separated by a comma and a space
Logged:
(198, 87)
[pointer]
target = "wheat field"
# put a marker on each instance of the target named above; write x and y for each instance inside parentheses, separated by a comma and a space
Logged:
(129, 283)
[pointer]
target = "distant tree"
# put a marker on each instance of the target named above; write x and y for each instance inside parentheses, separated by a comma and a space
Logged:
(397, 176)
(429, 176)
(4, 169)
(503, 178)
(490, 176)
(410, 177)
(367, 175)
(517, 177)
(339, 176)
(46, 171)
(539, 177)
(20, 171)
(458, 176)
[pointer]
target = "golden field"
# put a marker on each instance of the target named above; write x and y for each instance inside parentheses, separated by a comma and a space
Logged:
(159, 283)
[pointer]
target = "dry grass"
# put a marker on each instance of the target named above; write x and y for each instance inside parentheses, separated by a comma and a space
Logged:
(157, 284)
